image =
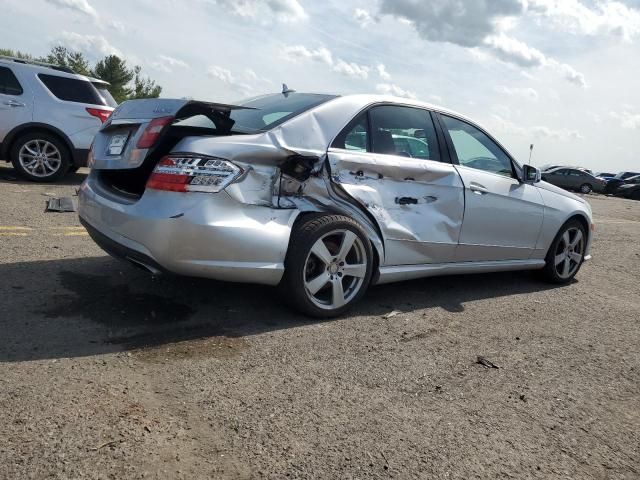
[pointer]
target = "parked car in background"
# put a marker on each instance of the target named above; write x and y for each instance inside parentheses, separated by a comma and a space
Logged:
(619, 179)
(48, 117)
(629, 189)
(574, 179)
(319, 194)
(605, 175)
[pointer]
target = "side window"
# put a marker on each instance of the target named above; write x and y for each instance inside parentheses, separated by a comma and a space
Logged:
(475, 149)
(9, 84)
(404, 131)
(72, 90)
(355, 136)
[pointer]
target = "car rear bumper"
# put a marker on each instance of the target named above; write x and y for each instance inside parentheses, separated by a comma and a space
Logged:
(194, 234)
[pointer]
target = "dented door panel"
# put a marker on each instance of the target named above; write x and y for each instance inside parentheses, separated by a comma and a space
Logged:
(418, 204)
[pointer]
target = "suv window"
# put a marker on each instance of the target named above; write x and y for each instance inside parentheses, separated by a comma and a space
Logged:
(72, 89)
(475, 149)
(9, 84)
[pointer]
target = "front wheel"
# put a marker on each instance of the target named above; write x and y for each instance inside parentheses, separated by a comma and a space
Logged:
(566, 254)
(328, 266)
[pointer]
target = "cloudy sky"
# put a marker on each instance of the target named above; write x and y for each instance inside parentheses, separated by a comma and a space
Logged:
(562, 74)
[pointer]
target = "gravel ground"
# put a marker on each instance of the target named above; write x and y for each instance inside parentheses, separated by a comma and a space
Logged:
(106, 372)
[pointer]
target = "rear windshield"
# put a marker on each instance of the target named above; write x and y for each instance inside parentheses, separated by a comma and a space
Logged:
(105, 94)
(267, 112)
(72, 89)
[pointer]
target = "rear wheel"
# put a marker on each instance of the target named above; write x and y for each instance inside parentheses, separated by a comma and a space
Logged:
(566, 253)
(328, 266)
(40, 157)
(585, 188)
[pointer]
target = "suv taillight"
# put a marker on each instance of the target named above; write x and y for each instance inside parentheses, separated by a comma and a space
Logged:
(103, 115)
(193, 174)
(152, 132)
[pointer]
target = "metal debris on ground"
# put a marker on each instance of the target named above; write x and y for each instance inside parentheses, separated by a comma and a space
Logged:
(63, 204)
(392, 314)
(486, 363)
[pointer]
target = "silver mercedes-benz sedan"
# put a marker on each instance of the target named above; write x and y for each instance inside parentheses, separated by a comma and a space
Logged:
(322, 195)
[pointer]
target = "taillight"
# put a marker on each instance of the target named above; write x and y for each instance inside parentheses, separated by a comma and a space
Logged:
(152, 132)
(99, 113)
(193, 174)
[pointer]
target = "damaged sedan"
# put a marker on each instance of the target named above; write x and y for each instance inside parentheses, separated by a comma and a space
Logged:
(322, 195)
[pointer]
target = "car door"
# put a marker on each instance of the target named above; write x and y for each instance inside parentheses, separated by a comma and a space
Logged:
(417, 201)
(15, 105)
(503, 216)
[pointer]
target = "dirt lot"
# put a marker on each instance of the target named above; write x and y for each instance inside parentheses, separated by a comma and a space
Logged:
(106, 372)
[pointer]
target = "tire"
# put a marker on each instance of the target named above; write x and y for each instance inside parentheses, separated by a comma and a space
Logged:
(586, 188)
(50, 154)
(316, 280)
(561, 251)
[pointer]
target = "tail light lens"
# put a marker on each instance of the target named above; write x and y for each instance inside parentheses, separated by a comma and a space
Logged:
(193, 174)
(103, 115)
(152, 132)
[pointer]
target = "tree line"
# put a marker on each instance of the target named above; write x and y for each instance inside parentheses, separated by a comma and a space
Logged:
(126, 83)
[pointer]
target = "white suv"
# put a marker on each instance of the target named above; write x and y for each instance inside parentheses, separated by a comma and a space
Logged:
(48, 117)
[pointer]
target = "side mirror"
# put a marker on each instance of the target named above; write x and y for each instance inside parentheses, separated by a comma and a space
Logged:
(531, 174)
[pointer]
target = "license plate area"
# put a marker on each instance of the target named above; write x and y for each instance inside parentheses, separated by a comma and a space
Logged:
(117, 142)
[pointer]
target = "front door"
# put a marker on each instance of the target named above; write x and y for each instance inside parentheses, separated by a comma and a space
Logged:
(388, 159)
(503, 217)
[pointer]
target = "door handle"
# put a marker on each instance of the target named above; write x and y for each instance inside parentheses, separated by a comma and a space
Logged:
(13, 103)
(406, 201)
(478, 189)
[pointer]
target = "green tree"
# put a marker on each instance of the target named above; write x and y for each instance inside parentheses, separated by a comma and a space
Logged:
(114, 70)
(7, 52)
(64, 57)
(144, 87)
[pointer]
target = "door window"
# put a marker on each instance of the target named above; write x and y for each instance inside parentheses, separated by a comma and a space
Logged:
(395, 130)
(404, 131)
(475, 149)
(9, 84)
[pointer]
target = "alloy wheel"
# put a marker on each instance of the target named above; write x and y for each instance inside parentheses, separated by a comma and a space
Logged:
(335, 269)
(40, 158)
(569, 252)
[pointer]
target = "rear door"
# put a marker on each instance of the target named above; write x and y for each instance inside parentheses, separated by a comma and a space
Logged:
(416, 199)
(15, 101)
(502, 217)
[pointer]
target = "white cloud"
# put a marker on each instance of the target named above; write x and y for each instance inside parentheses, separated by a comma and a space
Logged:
(608, 17)
(627, 119)
(247, 83)
(116, 25)
(80, 6)
(165, 63)
(382, 72)
(536, 132)
(393, 89)
(93, 45)
(283, 10)
(363, 17)
(222, 74)
(323, 55)
(521, 92)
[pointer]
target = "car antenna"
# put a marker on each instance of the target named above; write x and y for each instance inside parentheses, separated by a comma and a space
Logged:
(286, 90)
(530, 152)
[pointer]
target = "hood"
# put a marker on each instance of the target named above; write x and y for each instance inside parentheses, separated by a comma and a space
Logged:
(552, 188)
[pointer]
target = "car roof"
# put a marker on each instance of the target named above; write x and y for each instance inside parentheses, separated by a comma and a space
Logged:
(49, 69)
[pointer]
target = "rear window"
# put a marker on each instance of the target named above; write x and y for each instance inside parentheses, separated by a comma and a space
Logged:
(105, 94)
(72, 89)
(9, 84)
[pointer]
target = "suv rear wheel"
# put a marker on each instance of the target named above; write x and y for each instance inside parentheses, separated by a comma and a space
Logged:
(40, 157)
(328, 266)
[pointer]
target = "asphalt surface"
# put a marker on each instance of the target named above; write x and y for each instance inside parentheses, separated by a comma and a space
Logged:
(106, 372)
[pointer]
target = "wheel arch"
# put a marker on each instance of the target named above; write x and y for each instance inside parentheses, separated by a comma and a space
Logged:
(25, 128)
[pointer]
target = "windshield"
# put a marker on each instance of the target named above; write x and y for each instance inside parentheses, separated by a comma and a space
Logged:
(272, 110)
